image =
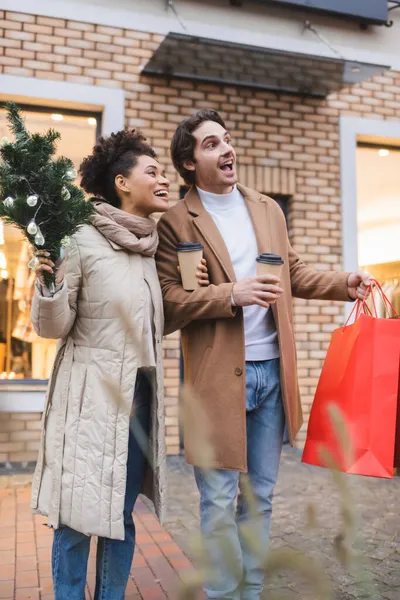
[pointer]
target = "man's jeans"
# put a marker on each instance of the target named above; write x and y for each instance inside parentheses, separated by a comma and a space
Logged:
(237, 572)
(114, 557)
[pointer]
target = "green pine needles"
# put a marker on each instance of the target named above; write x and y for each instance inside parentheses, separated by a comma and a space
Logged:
(36, 190)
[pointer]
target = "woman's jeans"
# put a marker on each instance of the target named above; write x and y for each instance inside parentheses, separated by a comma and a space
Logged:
(114, 557)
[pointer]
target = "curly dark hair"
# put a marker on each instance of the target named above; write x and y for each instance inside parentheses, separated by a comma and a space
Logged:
(113, 155)
(183, 143)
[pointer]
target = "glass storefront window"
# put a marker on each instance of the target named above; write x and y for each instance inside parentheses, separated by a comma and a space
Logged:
(378, 216)
(23, 355)
(378, 204)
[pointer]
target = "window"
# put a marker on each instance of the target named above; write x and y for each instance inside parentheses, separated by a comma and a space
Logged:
(378, 204)
(23, 355)
(283, 202)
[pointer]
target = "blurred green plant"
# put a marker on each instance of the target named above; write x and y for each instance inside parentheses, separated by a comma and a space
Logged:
(286, 559)
(274, 561)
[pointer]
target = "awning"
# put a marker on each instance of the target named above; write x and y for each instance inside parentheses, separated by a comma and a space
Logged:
(189, 57)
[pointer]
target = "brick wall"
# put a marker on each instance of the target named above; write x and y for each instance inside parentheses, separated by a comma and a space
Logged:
(19, 437)
(300, 135)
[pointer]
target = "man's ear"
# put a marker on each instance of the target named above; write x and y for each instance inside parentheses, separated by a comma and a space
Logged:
(189, 165)
(121, 183)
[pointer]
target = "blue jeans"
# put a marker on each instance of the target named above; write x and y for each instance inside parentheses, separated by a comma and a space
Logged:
(114, 557)
(237, 570)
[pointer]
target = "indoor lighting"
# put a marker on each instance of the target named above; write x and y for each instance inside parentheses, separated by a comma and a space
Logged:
(3, 266)
(57, 117)
(383, 152)
(5, 375)
(3, 261)
(92, 121)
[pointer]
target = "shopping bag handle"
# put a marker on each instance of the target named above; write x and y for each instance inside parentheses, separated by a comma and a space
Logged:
(361, 307)
(388, 305)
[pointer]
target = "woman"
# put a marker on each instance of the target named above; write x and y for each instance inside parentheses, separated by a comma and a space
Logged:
(103, 427)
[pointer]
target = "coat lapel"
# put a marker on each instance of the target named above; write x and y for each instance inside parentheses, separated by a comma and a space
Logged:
(267, 240)
(258, 210)
(210, 232)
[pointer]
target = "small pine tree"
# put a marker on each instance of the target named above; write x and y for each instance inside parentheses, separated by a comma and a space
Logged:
(36, 190)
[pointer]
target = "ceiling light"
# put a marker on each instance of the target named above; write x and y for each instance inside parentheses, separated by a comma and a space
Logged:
(383, 152)
(92, 121)
(56, 117)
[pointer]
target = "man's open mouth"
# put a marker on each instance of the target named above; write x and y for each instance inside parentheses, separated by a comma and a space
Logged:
(161, 194)
(227, 166)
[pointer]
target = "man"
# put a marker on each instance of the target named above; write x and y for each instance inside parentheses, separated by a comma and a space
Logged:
(237, 340)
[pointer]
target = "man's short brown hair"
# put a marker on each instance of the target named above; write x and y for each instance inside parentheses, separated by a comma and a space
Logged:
(183, 143)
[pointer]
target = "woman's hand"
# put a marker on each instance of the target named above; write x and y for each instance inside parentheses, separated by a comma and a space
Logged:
(202, 273)
(47, 265)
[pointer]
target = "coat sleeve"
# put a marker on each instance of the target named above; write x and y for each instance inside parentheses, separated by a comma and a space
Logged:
(307, 283)
(316, 285)
(53, 317)
(182, 307)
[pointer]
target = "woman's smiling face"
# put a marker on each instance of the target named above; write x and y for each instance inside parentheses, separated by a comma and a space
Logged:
(145, 190)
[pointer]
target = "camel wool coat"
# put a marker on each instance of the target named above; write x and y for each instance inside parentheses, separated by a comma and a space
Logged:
(98, 318)
(212, 329)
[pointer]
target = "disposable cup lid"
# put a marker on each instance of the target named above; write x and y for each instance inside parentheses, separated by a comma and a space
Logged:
(270, 259)
(189, 246)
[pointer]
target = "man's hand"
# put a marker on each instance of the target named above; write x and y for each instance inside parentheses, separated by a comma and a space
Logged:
(202, 273)
(262, 291)
(358, 286)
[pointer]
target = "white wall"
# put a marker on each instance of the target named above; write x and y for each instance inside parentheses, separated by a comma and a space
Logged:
(252, 23)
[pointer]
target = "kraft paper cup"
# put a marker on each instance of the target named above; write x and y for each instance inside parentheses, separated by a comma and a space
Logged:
(269, 264)
(189, 257)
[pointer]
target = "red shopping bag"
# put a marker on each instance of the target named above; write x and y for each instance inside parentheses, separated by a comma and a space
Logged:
(361, 377)
(397, 443)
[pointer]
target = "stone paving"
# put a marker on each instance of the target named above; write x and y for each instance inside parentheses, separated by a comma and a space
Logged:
(25, 553)
(377, 505)
(161, 556)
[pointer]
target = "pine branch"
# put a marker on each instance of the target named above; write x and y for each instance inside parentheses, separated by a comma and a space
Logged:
(36, 190)
(16, 121)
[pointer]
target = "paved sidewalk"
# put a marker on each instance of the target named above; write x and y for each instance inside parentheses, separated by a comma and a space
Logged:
(376, 503)
(161, 555)
(25, 553)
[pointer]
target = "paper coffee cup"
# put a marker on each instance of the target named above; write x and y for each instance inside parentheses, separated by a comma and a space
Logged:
(189, 257)
(269, 264)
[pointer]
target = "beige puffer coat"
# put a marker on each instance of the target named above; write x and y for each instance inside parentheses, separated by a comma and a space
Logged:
(80, 476)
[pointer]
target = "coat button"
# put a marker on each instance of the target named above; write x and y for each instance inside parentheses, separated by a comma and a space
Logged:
(238, 371)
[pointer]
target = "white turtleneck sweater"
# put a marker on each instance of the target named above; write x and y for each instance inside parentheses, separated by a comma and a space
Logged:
(229, 213)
